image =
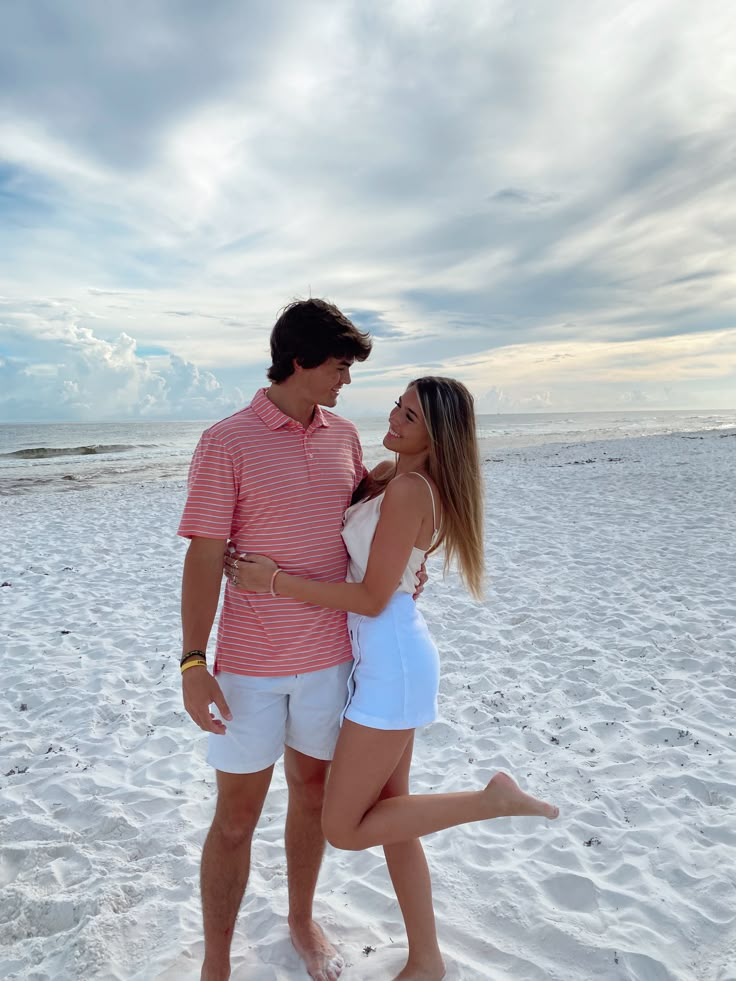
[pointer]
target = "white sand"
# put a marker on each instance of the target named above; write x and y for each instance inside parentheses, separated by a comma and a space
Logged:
(600, 672)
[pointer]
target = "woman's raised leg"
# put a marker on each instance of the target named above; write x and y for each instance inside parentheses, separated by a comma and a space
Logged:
(354, 818)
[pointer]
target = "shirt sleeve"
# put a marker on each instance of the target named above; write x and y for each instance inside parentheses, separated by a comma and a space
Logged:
(212, 491)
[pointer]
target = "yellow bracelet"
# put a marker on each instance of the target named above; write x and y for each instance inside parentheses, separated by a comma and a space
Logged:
(192, 664)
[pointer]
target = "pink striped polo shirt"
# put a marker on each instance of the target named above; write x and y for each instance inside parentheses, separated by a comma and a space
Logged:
(272, 487)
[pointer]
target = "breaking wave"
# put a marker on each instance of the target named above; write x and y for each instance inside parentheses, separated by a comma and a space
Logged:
(46, 452)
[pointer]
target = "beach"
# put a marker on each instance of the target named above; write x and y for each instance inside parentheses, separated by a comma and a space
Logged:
(598, 671)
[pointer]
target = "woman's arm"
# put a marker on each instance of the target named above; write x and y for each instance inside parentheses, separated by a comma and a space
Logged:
(396, 534)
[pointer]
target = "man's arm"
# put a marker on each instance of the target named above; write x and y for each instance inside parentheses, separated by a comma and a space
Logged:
(200, 592)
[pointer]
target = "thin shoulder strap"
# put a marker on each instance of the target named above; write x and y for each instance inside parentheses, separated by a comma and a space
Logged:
(435, 529)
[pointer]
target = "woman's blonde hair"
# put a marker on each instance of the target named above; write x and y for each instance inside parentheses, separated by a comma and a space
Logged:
(454, 466)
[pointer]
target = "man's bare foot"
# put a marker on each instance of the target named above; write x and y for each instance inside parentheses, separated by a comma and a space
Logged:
(322, 961)
(505, 798)
(428, 970)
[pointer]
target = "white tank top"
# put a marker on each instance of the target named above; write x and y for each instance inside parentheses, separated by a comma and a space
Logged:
(359, 528)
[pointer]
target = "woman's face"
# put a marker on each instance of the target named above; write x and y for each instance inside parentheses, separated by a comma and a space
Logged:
(407, 430)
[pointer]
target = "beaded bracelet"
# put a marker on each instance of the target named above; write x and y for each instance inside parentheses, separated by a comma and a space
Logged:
(190, 654)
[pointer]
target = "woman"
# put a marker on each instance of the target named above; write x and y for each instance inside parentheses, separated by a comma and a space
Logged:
(431, 496)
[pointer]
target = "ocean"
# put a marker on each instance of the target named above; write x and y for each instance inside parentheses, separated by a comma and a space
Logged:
(69, 457)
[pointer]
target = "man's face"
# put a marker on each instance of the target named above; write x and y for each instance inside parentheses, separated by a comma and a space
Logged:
(322, 384)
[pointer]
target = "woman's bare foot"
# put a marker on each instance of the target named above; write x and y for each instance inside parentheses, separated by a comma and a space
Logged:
(322, 961)
(505, 798)
(431, 969)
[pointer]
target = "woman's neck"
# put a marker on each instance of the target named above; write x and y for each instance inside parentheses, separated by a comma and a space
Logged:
(411, 464)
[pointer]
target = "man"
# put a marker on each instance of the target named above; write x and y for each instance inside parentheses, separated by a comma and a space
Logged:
(274, 478)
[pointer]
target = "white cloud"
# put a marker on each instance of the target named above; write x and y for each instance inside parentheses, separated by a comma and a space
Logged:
(93, 378)
(659, 372)
(494, 176)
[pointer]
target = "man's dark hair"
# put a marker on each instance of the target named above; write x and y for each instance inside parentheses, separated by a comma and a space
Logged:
(310, 332)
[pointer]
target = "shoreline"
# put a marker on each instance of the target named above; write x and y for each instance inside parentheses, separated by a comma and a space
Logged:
(109, 473)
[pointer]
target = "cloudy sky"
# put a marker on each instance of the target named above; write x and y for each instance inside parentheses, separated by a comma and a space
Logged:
(539, 198)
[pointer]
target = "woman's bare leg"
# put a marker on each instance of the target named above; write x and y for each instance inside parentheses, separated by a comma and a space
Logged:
(354, 818)
(409, 873)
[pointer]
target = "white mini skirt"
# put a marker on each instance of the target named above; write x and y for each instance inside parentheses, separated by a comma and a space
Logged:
(396, 670)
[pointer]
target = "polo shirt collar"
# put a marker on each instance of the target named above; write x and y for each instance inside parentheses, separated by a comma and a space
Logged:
(274, 418)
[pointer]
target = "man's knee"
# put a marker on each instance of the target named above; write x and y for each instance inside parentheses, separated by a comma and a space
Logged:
(235, 826)
(306, 780)
(239, 804)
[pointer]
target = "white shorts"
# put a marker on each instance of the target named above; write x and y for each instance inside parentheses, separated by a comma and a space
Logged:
(396, 673)
(300, 710)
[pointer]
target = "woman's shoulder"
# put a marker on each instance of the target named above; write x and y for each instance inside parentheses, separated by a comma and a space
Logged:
(410, 486)
(418, 493)
(421, 480)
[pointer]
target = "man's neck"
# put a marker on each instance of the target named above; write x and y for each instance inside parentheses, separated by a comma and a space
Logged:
(291, 402)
